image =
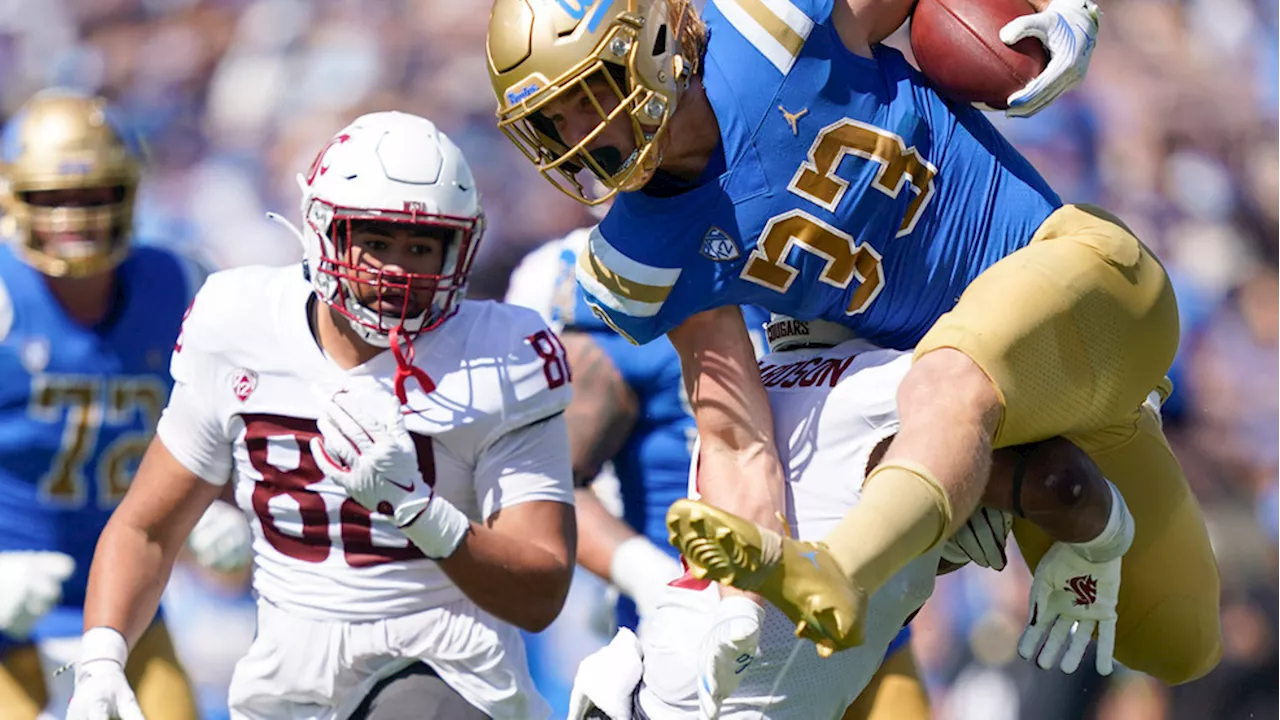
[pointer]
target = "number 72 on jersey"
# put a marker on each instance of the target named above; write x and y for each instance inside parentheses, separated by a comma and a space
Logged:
(816, 181)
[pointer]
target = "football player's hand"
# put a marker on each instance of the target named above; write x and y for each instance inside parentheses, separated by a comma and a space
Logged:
(102, 692)
(221, 540)
(32, 585)
(731, 644)
(1068, 29)
(365, 448)
(1068, 589)
(642, 570)
(982, 539)
(606, 679)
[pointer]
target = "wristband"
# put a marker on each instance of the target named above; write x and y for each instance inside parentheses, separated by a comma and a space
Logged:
(640, 569)
(1115, 538)
(434, 525)
(103, 643)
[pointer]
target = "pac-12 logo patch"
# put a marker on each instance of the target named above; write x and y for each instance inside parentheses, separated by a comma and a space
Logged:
(718, 246)
(243, 383)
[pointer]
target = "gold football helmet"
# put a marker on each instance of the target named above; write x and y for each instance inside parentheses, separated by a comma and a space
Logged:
(67, 184)
(643, 51)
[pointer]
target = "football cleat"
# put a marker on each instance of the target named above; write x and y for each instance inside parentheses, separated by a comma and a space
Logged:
(799, 578)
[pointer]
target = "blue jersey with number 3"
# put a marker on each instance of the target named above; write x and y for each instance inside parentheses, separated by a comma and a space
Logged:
(843, 188)
(77, 408)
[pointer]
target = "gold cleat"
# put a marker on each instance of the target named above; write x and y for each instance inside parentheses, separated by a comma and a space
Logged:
(800, 578)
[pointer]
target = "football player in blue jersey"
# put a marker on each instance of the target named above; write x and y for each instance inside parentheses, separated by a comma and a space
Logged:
(87, 322)
(775, 153)
(630, 408)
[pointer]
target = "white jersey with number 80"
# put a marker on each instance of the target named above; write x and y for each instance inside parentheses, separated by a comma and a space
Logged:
(247, 370)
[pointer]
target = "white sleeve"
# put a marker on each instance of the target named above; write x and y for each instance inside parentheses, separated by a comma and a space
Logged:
(190, 427)
(190, 430)
(526, 464)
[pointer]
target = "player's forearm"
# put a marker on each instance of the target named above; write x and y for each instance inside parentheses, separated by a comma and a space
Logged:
(517, 580)
(738, 466)
(136, 551)
(603, 411)
(1054, 485)
(129, 572)
(599, 533)
(744, 478)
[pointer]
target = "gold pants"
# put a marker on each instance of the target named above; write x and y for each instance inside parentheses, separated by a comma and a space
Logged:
(1075, 330)
(894, 693)
(153, 672)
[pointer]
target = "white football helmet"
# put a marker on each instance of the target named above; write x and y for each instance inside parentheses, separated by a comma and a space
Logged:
(398, 168)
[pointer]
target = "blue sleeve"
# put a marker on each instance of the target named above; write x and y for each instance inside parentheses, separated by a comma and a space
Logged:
(745, 34)
(625, 282)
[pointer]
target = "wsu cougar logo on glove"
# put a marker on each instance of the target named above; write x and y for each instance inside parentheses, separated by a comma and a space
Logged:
(1085, 589)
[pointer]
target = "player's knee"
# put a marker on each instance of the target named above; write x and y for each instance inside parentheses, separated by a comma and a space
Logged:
(1178, 641)
(946, 385)
(1186, 667)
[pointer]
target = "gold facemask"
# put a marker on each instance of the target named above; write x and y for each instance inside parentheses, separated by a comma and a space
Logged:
(641, 53)
(61, 142)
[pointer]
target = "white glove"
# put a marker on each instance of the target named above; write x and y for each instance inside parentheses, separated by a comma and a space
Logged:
(369, 453)
(222, 540)
(1079, 584)
(32, 585)
(606, 680)
(982, 539)
(1068, 29)
(102, 692)
(730, 646)
(642, 570)
(1067, 589)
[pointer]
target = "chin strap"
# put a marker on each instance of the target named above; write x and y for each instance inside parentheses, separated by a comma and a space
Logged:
(405, 368)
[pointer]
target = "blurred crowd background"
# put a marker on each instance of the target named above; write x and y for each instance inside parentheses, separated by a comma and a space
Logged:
(1175, 130)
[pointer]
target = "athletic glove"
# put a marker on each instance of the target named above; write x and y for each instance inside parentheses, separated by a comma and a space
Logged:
(365, 448)
(1068, 29)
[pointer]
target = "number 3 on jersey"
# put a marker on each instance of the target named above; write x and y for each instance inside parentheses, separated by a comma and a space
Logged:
(817, 182)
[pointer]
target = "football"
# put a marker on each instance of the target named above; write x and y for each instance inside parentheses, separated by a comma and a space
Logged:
(957, 46)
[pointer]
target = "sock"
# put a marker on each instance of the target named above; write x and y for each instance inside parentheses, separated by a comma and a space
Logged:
(903, 513)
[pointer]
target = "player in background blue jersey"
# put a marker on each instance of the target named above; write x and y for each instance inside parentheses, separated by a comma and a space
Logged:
(87, 323)
(630, 410)
(775, 153)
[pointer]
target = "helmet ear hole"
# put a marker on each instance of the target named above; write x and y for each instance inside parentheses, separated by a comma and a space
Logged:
(660, 42)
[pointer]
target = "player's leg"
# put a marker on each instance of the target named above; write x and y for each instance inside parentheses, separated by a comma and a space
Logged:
(1075, 331)
(1168, 624)
(1068, 335)
(415, 693)
(895, 693)
(157, 678)
(22, 692)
